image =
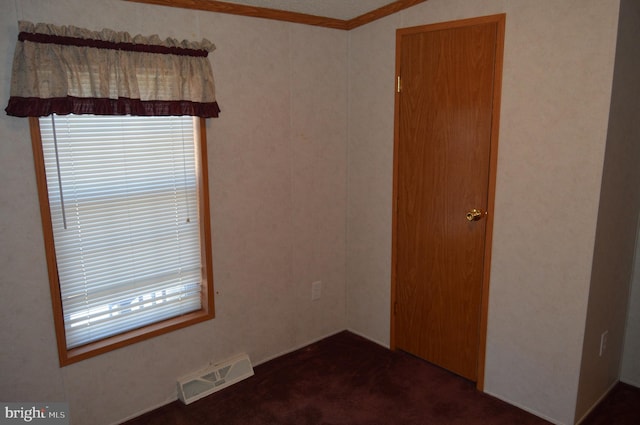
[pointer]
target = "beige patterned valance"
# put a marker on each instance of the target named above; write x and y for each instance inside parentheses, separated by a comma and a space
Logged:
(65, 69)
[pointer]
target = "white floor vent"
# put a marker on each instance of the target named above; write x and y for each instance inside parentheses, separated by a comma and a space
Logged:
(214, 378)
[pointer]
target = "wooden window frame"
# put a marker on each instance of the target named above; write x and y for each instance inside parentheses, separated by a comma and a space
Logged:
(207, 312)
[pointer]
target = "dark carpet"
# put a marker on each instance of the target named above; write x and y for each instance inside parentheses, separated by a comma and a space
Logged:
(620, 407)
(346, 380)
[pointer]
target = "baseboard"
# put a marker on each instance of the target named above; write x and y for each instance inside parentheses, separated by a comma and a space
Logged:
(602, 397)
(385, 345)
(526, 409)
(297, 347)
(135, 415)
(630, 382)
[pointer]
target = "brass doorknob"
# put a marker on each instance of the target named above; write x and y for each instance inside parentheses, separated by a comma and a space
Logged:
(474, 215)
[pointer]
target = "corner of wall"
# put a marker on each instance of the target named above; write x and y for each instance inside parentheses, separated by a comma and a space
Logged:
(619, 208)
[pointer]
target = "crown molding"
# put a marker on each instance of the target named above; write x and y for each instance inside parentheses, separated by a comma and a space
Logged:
(381, 12)
(283, 15)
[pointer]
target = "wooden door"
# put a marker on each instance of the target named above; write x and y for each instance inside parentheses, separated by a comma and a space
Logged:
(446, 134)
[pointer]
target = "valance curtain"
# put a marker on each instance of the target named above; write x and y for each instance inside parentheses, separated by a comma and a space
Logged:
(70, 70)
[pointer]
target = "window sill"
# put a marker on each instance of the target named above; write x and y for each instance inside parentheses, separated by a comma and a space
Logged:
(77, 354)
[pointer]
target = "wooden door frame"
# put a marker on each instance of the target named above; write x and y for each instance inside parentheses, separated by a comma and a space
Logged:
(499, 20)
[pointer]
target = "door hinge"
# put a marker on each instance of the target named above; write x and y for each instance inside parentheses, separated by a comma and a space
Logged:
(398, 85)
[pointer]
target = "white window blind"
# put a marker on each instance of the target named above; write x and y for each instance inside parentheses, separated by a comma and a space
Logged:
(124, 209)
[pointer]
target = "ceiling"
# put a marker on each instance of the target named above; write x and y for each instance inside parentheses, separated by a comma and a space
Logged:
(338, 9)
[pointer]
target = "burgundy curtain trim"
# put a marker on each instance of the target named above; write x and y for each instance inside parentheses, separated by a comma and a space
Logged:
(36, 107)
(102, 44)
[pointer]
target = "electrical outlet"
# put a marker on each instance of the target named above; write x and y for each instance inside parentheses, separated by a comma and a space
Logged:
(603, 342)
(316, 290)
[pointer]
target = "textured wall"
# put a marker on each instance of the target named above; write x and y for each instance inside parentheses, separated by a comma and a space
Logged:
(558, 71)
(630, 372)
(627, 87)
(277, 159)
(555, 103)
(617, 222)
(370, 173)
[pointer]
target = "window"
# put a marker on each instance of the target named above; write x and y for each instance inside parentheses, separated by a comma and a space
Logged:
(124, 204)
(123, 193)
